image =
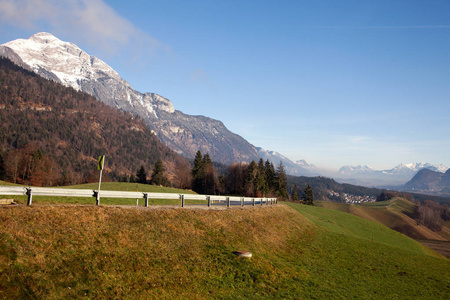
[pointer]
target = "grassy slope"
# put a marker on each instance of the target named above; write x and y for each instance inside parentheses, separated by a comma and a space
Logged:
(298, 252)
(393, 214)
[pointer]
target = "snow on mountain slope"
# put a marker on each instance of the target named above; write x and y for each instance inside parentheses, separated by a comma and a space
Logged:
(298, 168)
(67, 64)
(396, 176)
(414, 168)
(351, 170)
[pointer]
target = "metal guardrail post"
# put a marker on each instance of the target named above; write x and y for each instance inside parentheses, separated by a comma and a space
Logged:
(146, 199)
(40, 191)
(30, 196)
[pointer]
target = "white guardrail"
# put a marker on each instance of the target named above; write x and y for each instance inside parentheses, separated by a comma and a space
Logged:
(61, 192)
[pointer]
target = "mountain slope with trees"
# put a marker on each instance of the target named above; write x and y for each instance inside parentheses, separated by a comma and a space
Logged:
(431, 182)
(50, 134)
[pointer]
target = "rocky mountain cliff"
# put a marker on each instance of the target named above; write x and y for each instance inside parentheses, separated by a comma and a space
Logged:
(67, 64)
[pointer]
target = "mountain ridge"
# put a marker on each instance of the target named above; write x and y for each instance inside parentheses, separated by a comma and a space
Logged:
(398, 175)
(430, 182)
(66, 63)
(59, 133)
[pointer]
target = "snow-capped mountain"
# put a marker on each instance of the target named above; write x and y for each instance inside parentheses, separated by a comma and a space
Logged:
(298, 168)
(413, 168)
(396, 176)
(352, 170)
(69, 65)
(306, 165)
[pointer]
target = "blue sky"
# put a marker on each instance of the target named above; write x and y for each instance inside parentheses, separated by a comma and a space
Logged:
(333, 82)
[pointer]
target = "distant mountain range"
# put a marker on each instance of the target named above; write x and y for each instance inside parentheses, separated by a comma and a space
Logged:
(365, 175)
(67, 64)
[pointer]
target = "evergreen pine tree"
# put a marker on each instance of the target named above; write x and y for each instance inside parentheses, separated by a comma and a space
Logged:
(308, 197)
(295, 194)
(281, 182)
(270, 176)
(198, 174)
(261, 182)
(141, 175)
(158, 176)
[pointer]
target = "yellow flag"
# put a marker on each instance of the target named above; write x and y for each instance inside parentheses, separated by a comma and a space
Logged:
(101, 162)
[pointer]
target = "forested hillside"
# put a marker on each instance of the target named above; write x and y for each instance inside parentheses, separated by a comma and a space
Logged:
(50, 134)
(327, 189)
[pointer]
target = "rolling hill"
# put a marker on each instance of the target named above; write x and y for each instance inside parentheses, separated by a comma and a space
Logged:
(298, 252)
(398, 214)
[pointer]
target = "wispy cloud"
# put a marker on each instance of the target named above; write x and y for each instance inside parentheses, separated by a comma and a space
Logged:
(89, 21)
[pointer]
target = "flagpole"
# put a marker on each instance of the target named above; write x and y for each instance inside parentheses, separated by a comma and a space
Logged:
(97, 202)
(101, 162)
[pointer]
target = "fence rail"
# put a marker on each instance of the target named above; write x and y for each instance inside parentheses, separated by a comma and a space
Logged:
(61, 192)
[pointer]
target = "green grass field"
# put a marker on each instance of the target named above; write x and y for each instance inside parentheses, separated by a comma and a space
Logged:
(299, 252)
(395, 214)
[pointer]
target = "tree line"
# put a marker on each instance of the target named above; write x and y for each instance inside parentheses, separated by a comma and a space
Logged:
(252, 179)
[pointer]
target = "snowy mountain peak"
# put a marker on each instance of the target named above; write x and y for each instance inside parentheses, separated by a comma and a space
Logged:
(355, 169)
(414, 167)
(298, 168)
(44, 36)
(69, 65)
(67, 62)
(303, 163)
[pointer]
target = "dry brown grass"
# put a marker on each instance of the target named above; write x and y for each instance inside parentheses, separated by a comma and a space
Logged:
(71, 251)
(107, 252)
